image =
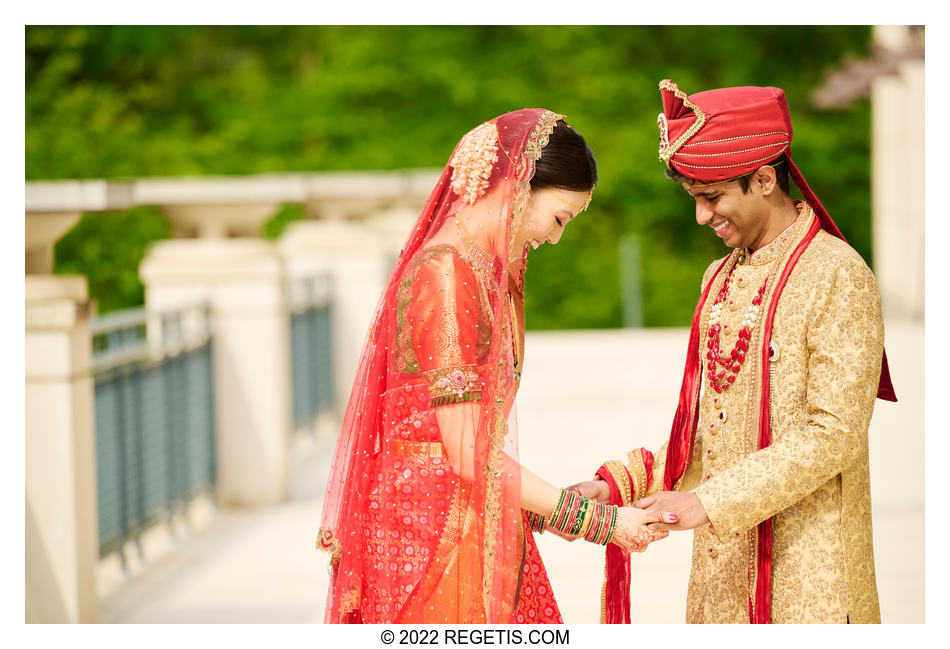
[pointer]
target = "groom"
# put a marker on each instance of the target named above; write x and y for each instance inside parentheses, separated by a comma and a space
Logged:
(768, 454)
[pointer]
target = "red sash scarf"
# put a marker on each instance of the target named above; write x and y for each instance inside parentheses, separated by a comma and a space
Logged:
(615, 596)
(760, 607)
(615, 604)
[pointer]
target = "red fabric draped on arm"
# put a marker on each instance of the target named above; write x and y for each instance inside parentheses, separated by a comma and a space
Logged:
(616, 592)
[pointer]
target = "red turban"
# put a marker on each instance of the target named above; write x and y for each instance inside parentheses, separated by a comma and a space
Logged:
(724, 133)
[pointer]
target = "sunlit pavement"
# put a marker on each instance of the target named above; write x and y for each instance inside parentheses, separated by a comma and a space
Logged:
(586, 396)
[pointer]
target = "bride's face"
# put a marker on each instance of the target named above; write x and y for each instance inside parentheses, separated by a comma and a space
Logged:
(548, 212)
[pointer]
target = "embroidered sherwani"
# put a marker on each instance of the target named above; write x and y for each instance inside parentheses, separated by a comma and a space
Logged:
(813, 480)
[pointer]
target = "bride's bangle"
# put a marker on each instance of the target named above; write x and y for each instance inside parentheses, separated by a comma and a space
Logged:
(602, 526)
(583, 517)
(614, 512)
(596, 517)
(564, 518)
(536, 522)
(583, 510)
(589, 517)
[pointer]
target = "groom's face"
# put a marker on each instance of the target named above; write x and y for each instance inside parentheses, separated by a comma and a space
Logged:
(738, 217)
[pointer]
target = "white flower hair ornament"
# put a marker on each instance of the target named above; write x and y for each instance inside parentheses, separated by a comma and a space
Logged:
(473, 162)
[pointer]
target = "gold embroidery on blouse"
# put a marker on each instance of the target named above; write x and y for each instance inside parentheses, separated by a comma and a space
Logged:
(406, 360)
(453, 385)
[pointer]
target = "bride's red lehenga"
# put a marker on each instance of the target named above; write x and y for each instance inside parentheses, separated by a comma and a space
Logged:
(410, 540)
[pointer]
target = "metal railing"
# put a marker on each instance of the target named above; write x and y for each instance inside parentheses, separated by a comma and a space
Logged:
(154, 418)
(310, 301)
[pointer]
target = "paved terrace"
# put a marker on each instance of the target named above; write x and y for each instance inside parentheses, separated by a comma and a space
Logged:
(260, 566)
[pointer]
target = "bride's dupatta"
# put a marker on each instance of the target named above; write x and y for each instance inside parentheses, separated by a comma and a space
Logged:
(410, 540)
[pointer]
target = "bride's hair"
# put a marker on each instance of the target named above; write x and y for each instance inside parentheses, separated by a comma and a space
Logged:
(565, 162)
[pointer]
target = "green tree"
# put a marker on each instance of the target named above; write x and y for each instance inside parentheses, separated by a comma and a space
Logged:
(120, 102)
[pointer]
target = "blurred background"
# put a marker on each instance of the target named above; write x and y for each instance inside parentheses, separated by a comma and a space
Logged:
(211, 213)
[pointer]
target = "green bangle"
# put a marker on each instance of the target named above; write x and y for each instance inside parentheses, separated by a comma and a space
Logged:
(613, 524)
(601, 514)
(537, 522)
(579, 521)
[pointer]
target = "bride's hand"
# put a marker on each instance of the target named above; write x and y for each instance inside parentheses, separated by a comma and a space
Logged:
(566, 537)
(631, 532)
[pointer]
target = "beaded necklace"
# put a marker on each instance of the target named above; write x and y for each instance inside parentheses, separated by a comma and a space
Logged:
(721, 380)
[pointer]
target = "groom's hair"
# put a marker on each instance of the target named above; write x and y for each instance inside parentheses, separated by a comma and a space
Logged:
(779, 164)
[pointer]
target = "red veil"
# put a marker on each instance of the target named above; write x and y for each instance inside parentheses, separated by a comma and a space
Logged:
(410, 540)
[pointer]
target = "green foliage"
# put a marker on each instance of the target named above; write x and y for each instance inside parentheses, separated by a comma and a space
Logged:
(138, 101)
(286, 214)
(107, 248)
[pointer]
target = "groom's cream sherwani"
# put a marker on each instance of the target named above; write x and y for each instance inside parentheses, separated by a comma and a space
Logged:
(813, 480)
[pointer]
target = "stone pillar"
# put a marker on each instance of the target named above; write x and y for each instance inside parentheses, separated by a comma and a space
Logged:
(897, 104)
(53, 207)
(62, 534)
(43, 230)
(244, 282)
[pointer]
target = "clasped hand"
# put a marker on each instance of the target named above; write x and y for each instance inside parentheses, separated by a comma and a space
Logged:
(686, 509)
(631, 533)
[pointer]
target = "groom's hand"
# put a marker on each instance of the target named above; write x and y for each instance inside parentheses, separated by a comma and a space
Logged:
(596, 489)
(686, 506)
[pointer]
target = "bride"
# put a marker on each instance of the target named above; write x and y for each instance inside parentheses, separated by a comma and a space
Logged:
(429, 515)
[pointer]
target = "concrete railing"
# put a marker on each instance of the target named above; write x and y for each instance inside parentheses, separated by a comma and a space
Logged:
(222, 206)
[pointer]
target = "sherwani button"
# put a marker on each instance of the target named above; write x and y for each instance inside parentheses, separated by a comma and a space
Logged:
(774, 351)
